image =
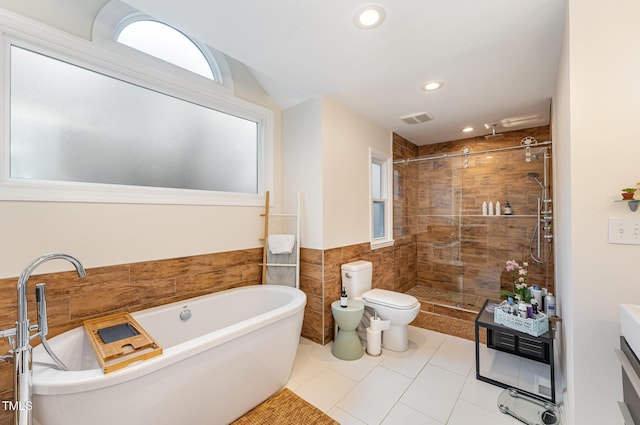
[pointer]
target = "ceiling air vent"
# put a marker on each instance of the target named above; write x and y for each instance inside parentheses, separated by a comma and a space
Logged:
(417, 118)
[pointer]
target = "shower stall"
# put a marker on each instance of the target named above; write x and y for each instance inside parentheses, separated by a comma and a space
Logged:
(438, 206)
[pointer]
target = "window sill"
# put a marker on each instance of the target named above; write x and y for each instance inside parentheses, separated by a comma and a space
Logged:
(382, 244)
(12, 190)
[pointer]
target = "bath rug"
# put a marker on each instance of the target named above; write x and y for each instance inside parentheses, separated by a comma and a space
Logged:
(285, 408)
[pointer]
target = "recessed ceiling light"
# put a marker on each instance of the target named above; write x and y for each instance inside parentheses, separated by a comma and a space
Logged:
(432, 85)
(369, 16)
(467, 129)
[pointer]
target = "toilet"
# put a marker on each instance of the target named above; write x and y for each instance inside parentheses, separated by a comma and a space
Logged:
(397, 307)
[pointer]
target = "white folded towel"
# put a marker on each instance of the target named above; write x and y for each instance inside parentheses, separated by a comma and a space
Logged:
(281, 244)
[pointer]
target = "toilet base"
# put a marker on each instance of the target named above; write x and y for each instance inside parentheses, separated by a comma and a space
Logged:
(396, 338)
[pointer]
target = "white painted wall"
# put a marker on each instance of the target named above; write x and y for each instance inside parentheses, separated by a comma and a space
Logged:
(302, 167)
(597, 151)
(326, 156)
(107, 234)
(347, 138)
(563, 230)
(73, 16)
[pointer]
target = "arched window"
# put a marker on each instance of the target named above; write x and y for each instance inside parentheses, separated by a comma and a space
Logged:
(120, 23)
(166, 43)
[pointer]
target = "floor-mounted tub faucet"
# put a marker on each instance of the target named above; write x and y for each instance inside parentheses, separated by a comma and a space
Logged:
(22, 351)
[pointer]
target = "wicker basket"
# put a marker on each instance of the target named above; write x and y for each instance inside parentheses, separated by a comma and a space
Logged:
(534, 327)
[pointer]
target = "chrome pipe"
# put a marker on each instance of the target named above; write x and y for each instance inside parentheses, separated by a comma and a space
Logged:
(539, 230)
(22, 353)
(454, 155)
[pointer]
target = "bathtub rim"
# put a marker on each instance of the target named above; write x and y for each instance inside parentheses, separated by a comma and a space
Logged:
(49, 381)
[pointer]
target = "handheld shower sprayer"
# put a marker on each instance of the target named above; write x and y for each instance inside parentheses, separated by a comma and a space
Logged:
(535, 176)
(43, 327)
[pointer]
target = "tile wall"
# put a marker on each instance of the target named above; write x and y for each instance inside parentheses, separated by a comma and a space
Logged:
(127, 287)
(320, 278)
(437, 203)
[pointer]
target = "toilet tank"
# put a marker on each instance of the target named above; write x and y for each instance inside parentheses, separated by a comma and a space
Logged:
(356, 278)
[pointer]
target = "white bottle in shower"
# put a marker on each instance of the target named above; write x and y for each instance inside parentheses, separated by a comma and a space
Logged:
(550, 301)
(484, 208)
(491, 208)
(498, 211)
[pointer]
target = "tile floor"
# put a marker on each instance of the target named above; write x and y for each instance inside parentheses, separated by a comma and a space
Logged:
(433, 383)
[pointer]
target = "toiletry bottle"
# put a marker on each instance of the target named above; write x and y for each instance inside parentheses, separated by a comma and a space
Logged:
(484, 208)
(343, 298)
(534, 307)
(551, 305)
(522, 310)
(498, 208)
(491, 208)
(536, 293)
(506, 307)
(507, 209)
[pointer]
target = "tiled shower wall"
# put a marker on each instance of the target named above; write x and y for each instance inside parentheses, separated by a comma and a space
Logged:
(438, 202)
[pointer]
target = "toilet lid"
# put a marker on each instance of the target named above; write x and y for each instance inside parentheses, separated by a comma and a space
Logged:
(390, 299)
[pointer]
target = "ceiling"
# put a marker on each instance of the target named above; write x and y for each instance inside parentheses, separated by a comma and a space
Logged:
(498, 59)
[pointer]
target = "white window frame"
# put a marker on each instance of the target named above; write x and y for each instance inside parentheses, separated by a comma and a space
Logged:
(115, 16)
(162, 77)
(386, 188)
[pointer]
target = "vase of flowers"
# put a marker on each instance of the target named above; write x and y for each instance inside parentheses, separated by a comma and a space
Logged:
(519, 273)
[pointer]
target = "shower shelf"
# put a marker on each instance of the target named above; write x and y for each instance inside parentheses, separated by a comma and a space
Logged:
(633, 203)
(502, 215)
(480, 215)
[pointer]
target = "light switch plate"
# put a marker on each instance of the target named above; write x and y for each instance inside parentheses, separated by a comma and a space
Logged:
(624, 231)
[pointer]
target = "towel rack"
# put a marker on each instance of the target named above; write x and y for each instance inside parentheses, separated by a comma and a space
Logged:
(265, 263)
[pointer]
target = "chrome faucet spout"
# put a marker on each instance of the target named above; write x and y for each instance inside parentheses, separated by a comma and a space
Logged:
(22, 353)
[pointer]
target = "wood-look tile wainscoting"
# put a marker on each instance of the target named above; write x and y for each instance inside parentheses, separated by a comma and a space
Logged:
(127, 287)
(394, 268)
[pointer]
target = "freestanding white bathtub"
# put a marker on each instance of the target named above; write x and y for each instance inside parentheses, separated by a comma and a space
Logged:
(235, 351)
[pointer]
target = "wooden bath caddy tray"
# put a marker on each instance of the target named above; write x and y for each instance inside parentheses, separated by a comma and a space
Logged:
(118, 340)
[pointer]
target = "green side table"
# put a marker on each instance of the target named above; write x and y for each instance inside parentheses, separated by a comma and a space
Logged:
(347, 345)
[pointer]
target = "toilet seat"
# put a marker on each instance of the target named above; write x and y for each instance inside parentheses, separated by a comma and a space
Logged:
(390, 299)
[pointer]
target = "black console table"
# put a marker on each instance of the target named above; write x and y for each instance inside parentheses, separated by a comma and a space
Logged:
(511, 341)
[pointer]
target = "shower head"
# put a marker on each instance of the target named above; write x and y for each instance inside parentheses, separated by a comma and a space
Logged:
(535, 176)
(493, 133)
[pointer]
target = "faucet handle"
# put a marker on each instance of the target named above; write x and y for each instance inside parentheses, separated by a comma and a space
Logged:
(8, 333)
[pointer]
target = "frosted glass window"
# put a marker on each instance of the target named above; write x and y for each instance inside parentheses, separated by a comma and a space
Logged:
(166, 43)
(379, 192)
(69, 123)
(376, 183)
(378, 219)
